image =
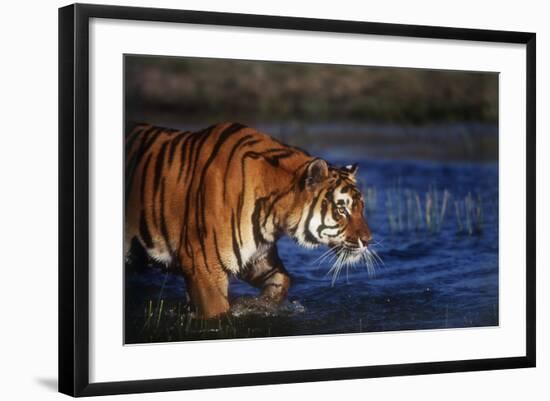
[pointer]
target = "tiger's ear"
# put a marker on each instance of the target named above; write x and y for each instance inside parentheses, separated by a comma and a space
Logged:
(317, 171)
(351, 169)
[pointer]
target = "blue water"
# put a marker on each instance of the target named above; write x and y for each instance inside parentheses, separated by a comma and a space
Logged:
(442, 275)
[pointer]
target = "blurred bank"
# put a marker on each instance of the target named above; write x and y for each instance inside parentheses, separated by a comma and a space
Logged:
(378, 112)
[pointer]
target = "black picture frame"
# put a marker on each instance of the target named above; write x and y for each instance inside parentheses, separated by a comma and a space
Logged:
(74, 198)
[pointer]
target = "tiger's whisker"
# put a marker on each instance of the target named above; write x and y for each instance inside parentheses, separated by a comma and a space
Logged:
(324, 254)
(367, 258)
(338, 255)
(375, 254)
(323, 258)
(336, 268)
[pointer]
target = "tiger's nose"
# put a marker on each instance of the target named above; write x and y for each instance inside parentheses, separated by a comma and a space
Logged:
(365, 239)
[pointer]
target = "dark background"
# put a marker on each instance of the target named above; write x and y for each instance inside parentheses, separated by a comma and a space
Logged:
(396, 112)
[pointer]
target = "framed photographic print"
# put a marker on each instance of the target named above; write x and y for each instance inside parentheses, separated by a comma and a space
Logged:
(249, 199)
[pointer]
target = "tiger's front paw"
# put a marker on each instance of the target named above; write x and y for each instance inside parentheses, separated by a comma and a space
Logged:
(276, 289)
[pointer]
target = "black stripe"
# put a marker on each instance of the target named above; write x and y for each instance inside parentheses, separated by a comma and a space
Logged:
(163, 227)
(144, 231)
(240, 200)
(256, 229)
(218, 255)
(335, 214)
(159, 166)
(295, 148)
(186, 149)
(308, 234)
(174, 144)
(139, 130)
(149, 138)
(131, 158)
(136, 158)
(323, 227)
(324, 207)
(233, 150)
(187, 145)
(340, 231)
(240, 205)
(144, 177)
(133, 137)
(236, 249)
(274, 159)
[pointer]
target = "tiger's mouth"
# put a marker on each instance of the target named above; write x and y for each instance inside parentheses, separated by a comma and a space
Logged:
(345, 255)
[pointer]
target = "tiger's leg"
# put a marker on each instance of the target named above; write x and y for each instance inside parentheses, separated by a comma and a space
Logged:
(268, 273)
(208, 291)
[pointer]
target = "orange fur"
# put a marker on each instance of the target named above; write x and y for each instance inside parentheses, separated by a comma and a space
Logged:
(213, 203)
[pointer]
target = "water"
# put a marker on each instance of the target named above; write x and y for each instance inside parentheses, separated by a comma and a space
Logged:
(440, 276)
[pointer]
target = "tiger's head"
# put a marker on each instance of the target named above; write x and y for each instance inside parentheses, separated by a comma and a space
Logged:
(329, 211)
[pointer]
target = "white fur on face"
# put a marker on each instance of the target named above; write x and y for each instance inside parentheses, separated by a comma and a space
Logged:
(310, 229)
(343, 198)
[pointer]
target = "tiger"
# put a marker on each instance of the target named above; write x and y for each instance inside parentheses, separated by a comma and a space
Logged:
(213, 203)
